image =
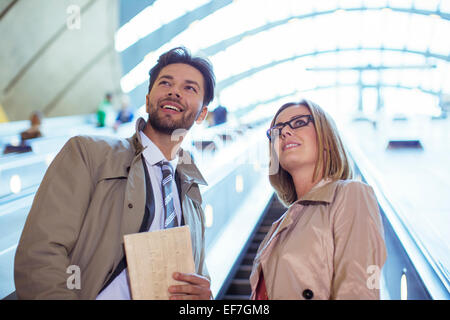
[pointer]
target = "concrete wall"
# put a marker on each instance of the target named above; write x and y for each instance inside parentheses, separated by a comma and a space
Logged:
(54, 62)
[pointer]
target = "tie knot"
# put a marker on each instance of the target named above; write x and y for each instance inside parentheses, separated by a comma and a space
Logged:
(166, 167)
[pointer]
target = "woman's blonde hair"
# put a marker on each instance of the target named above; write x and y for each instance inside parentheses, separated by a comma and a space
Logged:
(333, 163)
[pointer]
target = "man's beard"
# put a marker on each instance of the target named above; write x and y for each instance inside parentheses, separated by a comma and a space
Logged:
(164, 124)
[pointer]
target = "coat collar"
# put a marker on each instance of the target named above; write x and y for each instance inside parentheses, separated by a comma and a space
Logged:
(322, 192)
(186, 168)
(136, 138)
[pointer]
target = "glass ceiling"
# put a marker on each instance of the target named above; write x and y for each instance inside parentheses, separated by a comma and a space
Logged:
(261, 49)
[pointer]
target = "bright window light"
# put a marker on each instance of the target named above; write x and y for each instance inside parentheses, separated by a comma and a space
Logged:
(152, 18)
(403, 287)
(430, 5)
(15, 184)
(357, 35)
(49, 158)
(239, 183)
(209, 216)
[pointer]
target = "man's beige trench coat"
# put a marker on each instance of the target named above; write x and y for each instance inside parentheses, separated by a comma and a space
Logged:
(92, 195)
(328, 245)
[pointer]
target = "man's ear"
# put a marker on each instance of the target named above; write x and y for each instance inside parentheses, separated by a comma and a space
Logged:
(146, 103)
(202, 115)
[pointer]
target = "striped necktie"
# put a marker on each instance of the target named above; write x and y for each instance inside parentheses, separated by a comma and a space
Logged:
(170, 219)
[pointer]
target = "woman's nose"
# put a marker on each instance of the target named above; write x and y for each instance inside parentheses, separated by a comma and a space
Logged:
(285, 131)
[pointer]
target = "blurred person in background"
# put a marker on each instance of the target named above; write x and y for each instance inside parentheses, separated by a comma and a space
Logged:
(329, 244)
(35, 127)
(125, 113)
(103, 110)
(34, 131)
(220, 115)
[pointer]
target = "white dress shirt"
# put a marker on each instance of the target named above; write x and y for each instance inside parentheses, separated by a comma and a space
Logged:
(119, 288)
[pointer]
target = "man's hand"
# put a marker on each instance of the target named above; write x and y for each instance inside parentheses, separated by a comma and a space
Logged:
(197, 287)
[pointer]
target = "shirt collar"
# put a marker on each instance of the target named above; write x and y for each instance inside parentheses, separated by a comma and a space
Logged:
(183, 162)
(152, 153)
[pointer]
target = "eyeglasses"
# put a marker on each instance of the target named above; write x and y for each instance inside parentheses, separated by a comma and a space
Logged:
(294, 123)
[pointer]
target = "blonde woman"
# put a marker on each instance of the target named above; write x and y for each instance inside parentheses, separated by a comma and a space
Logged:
(329, 244)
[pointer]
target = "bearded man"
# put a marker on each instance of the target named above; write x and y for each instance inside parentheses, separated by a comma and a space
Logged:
(99, 189)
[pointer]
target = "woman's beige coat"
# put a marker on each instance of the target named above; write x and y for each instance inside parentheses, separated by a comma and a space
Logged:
(328, 245)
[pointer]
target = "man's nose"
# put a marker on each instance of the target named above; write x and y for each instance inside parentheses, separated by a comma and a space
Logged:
(174, 91)
(174, 94)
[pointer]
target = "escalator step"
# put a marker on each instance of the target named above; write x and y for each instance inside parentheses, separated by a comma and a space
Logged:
(244, 272)
(253, 248)
(273, 216)
(248, 259)
(239, 287)
(264, 229)
(259, 237)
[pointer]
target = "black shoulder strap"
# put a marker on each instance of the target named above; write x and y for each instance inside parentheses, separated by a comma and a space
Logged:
(178, 182)
(149, 214)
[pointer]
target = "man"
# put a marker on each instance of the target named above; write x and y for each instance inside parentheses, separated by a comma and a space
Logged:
(99, 189)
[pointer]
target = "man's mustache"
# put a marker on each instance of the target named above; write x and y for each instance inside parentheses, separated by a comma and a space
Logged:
(165, 100)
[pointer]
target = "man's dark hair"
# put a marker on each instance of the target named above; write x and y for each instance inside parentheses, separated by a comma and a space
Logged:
(182, 55)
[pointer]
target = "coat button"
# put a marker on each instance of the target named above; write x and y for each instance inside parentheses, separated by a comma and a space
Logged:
(130, 205)
(308, 294)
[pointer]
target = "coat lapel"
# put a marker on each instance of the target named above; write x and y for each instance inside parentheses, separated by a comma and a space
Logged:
(189, 174)
(277, 227)
(323, 192)
(134, 201)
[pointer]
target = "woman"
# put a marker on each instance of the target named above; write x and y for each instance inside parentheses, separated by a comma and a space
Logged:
(329, 244)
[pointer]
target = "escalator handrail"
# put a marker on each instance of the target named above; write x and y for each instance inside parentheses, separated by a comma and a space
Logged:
(429, 271)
